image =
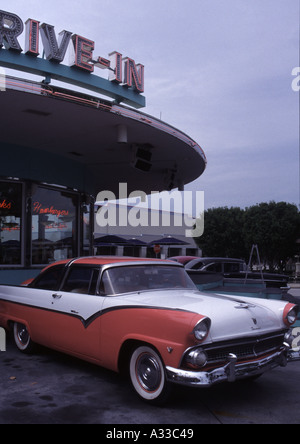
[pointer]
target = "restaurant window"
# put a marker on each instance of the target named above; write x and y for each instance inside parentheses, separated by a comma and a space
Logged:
(10, 223)
(54, 225)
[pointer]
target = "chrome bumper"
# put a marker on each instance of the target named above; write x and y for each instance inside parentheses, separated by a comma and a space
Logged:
(230, 372)
(294, 355)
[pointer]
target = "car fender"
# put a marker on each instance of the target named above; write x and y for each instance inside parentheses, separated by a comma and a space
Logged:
(19, 314)
(169, 331)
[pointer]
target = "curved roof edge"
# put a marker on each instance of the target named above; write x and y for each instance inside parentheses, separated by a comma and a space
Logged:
(84, 128)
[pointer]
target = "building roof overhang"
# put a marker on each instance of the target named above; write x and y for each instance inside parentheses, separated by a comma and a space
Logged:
(82, 129)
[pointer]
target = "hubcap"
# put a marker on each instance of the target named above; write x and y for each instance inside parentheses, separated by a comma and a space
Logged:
(23, 335)
(148, 372)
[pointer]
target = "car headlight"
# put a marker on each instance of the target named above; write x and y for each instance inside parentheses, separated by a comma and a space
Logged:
(196, 358)
(290, 314)
(201, 329)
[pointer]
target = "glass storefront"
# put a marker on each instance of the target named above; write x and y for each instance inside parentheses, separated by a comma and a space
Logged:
(54, 225)
(10, 223)
(42, 224)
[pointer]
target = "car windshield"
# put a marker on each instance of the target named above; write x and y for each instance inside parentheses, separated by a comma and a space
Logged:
(144, 277)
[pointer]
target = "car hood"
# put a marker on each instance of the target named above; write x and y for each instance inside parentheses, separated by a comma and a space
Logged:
(231, 316)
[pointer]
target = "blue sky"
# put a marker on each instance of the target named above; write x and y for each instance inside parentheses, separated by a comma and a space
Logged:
(221, 71)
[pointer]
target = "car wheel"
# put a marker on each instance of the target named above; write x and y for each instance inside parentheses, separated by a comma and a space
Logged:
(147, 374)
(22, 338)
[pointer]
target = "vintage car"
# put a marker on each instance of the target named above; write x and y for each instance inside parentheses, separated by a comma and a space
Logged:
(236, 269)
(146, 317)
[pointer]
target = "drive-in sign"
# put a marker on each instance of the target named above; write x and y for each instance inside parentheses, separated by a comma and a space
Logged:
(122, 71)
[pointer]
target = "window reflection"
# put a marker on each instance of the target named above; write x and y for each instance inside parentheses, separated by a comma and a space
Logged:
(144, 277)
(10, 223)
(86, 241)
(54, 225)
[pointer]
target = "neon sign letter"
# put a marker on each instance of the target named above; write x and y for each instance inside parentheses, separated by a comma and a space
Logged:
(32, 37)
(122, 71)
(115, 74)
(11, 26)
(134, 72)
(53, 50)
(83, 52)
(39, 209)
(5, 205)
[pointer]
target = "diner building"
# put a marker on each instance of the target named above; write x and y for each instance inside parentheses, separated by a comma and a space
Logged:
(66, 136)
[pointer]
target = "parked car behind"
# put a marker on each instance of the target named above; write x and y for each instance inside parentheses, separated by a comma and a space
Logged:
(235, 269)
(184, 260)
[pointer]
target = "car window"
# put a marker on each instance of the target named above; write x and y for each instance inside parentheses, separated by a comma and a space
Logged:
(81, 279)
(197, 266)
(49, 279)
(215, 268)
(232, 267)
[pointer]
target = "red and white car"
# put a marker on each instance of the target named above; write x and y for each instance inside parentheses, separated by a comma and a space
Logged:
(147, 317)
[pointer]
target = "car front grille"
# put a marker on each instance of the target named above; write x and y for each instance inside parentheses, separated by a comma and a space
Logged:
(244, 349)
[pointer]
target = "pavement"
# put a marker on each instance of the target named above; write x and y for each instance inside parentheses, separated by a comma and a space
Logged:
(52, 388)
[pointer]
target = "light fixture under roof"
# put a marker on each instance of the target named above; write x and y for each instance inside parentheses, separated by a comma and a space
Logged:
(75, 153)
(37, 112)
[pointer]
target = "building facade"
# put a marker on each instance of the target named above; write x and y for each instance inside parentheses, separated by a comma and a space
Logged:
(60, 147)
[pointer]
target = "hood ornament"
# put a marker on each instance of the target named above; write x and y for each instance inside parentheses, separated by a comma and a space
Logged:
(242, 305)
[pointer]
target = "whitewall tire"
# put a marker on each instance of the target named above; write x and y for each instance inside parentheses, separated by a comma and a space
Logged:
(22, 338)
(147, 374)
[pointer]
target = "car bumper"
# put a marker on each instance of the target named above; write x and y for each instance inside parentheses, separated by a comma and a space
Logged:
(230, 372)
(294, 355)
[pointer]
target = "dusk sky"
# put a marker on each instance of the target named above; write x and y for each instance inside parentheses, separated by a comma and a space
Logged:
(220, 71)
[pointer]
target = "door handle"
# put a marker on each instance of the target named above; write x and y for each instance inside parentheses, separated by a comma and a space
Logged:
(56, 296)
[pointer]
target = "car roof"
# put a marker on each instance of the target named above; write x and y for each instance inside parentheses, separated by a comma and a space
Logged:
(218, 259)
(183, 258)
(106, 260)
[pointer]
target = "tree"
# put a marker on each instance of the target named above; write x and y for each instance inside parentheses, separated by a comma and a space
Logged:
(275, 228)
(223, 233)
(231, 232)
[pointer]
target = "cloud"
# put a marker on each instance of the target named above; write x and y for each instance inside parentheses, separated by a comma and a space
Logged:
(219, 71)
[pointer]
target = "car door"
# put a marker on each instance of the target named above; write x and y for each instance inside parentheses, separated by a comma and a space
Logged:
(71, 323)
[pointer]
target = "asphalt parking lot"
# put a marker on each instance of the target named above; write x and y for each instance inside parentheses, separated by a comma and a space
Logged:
(52, 388)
